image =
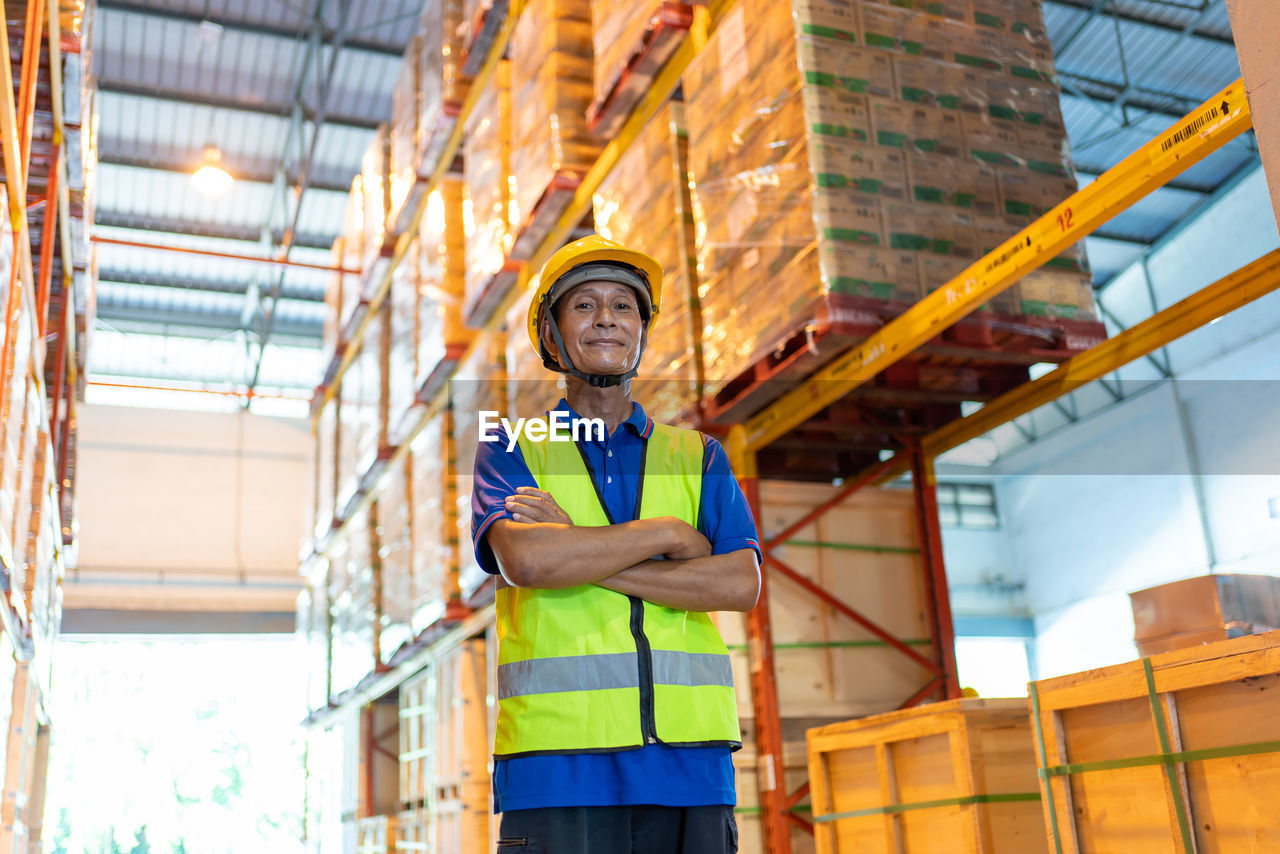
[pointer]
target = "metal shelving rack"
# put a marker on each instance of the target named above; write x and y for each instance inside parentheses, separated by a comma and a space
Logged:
(30, 289)
(1204, 130)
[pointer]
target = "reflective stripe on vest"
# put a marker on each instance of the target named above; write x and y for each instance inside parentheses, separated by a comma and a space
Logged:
(587, 669)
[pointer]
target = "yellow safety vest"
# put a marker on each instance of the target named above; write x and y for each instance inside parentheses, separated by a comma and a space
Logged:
(588, 670)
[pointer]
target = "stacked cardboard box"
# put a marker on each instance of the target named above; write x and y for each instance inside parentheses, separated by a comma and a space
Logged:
(348, 254)
(642, 205)
(406, 100)
(395, 551)
(486, 152)
(435, 525)
(1202, 610)
(375, 181)
(480, 384)
(402, 368)
(868, 150)
(442, 269)
(442, 84)
(531, 388)
(362, 408)
(551, 89)
(353, 602)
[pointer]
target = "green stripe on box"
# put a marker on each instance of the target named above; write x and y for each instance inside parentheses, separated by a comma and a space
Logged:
(1025, 72)
(861, 287)
(964, 200)
(839, 131)
(926, 145)
(968, 800)
(988, 20)
(914, 242)
(916, 96)
(929, 194)
(868, 185)
(951, 102)
(977, 62)
(1046, 167)
(1018, 208)
(1256, 748)
(996, 158)
(891, 139)
(941, 247)
(1000, 112)
(1033, 119)
(828, 33)
(877, 40)
(913, 48)
(836, 81)
(832, 180)
(851, 235)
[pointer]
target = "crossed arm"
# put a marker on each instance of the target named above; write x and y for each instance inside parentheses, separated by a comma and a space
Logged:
(541, 547)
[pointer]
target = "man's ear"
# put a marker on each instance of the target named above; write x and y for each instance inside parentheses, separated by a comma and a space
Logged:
(546, 338)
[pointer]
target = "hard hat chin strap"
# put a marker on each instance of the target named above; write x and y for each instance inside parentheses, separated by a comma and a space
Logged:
(596, 380)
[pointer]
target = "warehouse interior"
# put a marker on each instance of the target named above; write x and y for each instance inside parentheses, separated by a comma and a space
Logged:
(240, 418)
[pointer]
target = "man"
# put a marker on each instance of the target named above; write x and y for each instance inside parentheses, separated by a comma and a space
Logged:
(616, 710)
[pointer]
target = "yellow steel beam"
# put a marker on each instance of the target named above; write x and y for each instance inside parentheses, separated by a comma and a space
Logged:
(454, 142)
(1205, 129)
(1238, 289)
(13, 171)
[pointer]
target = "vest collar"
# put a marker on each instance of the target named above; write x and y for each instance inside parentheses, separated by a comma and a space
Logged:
(640, 424)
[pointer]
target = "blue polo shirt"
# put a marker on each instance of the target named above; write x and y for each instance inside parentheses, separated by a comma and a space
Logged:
(654, 774)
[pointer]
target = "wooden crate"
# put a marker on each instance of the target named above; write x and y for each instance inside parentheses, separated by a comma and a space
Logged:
(1176, 753)
(376, 835)
(865, 552)
(445, 747)
(957, 776)
(413, 832)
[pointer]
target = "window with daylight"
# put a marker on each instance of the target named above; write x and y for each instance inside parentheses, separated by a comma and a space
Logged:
(967, 505)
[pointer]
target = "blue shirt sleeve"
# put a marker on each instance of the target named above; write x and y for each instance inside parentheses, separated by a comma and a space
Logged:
(724, 517)
(497, 474)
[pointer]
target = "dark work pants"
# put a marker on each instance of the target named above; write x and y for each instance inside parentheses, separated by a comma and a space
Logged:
(619, 830)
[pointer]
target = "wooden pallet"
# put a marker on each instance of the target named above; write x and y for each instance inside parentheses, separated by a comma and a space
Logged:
(1176, 753)
(834, 323)
(484, 29)
(667, 26)
(546, 213)
(957, 776)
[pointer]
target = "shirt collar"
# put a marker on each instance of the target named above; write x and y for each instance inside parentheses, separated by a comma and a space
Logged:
(640, 424)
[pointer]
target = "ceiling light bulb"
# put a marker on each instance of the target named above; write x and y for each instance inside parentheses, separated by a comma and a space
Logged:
(211, 179)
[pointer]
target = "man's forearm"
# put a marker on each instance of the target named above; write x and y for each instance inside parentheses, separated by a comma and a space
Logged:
(551, 556)
(727, 582)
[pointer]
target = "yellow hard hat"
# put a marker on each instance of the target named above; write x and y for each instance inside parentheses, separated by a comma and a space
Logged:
(591, 250)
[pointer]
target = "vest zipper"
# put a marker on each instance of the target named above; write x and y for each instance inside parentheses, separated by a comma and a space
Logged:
(644, 658)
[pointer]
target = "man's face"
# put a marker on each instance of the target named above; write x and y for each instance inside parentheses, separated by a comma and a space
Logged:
(601, 327)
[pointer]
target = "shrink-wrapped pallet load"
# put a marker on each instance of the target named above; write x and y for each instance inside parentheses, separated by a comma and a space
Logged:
(551, 146)
(326, 470)
(486, 153)
(375, 181)
(395, 551)
(442, 84)
(402, 368)
(531, 388)
(349, 255)
(353, 604)
(434, 585)
(402, 150)
(643, 205)
(442, 260)
(480, 385)
(867, 151)
(631, 41)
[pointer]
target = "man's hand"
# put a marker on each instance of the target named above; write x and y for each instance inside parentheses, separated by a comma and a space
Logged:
(530, 504)
(690, 542)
